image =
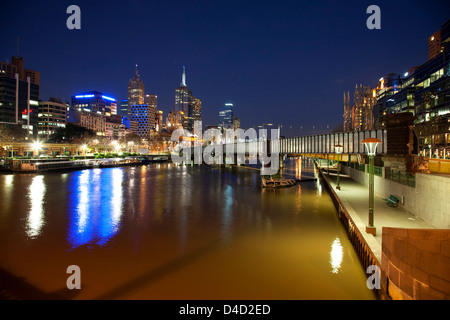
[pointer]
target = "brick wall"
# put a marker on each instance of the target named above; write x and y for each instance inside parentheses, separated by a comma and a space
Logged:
(416, 263)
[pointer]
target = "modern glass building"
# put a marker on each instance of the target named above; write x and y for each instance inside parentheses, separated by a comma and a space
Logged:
(226, 116)
(424, 92)
(145, 118)
(123, 108)
(94, 101)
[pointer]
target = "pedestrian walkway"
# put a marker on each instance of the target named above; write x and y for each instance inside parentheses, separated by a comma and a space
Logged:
(355, 198)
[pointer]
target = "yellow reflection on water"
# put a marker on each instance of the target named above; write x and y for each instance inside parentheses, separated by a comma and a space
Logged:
(9, 179)
(36, 193)
(336, 256)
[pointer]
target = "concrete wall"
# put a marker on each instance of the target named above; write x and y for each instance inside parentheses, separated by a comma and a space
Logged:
(428, 201)
(416, 263)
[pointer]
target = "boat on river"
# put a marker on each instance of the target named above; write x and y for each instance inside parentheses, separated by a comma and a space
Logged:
(277, 183)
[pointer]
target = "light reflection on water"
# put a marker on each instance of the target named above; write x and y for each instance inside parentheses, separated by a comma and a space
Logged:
(240, 241)
(97, 202)
(36, 195)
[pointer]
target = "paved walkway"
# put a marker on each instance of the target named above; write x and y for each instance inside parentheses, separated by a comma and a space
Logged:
(355, 198)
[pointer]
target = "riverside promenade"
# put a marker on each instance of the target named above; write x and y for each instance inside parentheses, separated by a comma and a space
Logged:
(413, 256)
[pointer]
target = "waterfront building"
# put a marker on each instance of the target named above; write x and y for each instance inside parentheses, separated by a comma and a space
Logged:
(423, 91)
(114, 128)
(19, 95)
(90, 120)
(51, 117)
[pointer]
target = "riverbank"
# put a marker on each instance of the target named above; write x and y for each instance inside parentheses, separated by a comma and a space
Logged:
(412, 255)
(49, 165)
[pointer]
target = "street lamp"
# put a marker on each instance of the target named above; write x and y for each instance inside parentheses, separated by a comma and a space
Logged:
(37, 146)
(371, 148)
(338, 149)
(84, 147)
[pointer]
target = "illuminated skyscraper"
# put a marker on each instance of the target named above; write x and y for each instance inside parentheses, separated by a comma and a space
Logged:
(194, 112)
(182, 100)
(152, 101)
(94, 101)
(135, 90)
(226, 116)
(19, 95)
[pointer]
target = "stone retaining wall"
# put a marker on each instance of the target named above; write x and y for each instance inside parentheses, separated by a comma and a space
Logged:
(416, 263)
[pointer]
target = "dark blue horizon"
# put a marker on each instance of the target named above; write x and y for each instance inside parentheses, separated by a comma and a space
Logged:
(280, 62)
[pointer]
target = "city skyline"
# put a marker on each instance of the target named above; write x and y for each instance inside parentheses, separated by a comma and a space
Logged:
(234, 53)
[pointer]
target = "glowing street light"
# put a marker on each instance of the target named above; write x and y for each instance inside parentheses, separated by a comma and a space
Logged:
(37, 145)
(338, 149)
(84, 147)
(371, 148)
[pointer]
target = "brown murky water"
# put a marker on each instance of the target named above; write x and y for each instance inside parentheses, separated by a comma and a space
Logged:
(169, 232)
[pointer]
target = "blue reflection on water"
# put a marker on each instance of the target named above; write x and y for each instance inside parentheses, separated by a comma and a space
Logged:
(95, 206)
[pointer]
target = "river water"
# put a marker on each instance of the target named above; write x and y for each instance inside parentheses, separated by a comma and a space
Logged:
(163, 231)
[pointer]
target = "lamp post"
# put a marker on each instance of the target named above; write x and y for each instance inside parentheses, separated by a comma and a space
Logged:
(338, 149)
(371, 148)
(37, 146)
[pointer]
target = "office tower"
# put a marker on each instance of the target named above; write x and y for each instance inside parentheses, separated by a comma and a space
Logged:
(152, 101)
(182, 101)
(194, 112)
(432, 103)
(347, 112)
(123, 108)
(422, 92)
(51, 117)
(226, 116)
(94, 101)
(135, 90)
(236, 123)
(143, 115)
(364, 100)
(435, 45)
(159, 121)
(19, 95)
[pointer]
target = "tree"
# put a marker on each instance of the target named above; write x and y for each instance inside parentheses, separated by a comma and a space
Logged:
(72, 133)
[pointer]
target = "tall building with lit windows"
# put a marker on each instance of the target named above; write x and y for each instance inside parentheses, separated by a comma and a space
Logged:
(194, 112)
(152, 101)
(183, 97)
(94, 101)
(52, 116)
(145, 118)
(423, 92)
(19, 95)
(226, 116)
(359, 115)
(135, 90)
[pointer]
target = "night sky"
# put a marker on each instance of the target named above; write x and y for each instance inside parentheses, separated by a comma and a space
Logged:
(283, 62)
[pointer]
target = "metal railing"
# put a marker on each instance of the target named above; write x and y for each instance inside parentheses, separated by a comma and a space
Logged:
(401, 177)
(378, 171)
